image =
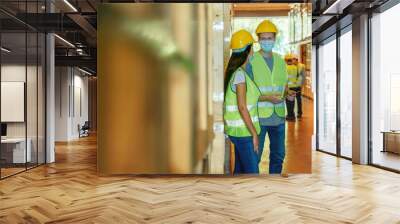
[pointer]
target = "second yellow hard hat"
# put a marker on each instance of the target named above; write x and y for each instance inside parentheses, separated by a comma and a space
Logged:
(266, 26)
(288, 56)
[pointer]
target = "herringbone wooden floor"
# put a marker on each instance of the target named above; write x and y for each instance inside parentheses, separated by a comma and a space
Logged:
(70, 191)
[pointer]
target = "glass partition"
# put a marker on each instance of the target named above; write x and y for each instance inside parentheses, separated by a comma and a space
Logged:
(385, 89)
(299, 22)
(346, 93)
(22, 88)
(13, 91)
(326, 138)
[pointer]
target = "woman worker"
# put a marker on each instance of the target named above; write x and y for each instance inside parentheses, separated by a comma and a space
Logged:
(240, 105)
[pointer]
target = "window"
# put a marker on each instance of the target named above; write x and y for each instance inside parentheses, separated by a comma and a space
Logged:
(327, 96)
(22, 78)
(346, 93)
(385, 89)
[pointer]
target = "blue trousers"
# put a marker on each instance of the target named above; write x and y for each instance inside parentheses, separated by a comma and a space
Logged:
(276, 136)
(246, 160)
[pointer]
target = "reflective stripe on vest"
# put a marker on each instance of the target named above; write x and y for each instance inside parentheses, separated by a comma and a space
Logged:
(240, 122)
(271, 89)
(234, 124)
(269, 104)
(270, 83)
(235, 108)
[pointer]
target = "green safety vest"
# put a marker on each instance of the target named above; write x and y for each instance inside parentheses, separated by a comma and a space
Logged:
(270, 83)
(293, 76)
(234, 124)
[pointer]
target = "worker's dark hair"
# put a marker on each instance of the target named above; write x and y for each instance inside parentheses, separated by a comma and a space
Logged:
(237, 59)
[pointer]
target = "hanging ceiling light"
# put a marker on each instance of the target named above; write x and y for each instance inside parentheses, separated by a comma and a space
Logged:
(64, 40)
(84, 71)
(337, 7)
(70, 5)
(5, 50)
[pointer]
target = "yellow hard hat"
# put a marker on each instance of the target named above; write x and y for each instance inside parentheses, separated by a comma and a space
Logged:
(266, 26)
(295, 56)
(288, 56)
(240, 39)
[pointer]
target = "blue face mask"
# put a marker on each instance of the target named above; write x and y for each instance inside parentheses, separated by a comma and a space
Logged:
(267, 45)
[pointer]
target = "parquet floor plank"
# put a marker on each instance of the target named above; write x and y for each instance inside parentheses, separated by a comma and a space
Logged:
(70, 191)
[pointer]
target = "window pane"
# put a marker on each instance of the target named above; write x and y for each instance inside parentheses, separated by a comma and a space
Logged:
(385, 89)
(346, 94)
(22, 89)
(13, 86)
(327, 97)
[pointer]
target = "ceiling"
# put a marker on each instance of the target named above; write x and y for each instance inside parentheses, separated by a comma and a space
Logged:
(75, 23)
(261, 9)
(332, 15)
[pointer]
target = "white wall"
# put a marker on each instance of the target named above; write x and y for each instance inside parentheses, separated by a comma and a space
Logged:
(62, 81)
(81, 97)
(71, 93)
(12, 73)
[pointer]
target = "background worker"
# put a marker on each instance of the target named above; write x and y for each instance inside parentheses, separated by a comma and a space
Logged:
(268, 70)
(296, 80)
(240, 105)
